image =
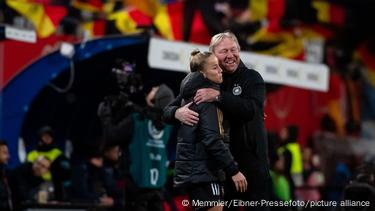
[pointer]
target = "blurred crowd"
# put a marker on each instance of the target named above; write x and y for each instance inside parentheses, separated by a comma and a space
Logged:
(128, 170)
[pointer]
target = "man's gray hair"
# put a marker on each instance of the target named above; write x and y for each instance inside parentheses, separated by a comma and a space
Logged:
(216, 39)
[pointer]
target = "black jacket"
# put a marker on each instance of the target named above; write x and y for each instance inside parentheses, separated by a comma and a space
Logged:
(87, 182)
(201, 153)
(5, 197)
(24, 184)
(243, 97)
(242, 102)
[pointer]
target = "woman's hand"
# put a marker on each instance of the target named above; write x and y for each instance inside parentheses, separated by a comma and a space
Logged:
(240, 181)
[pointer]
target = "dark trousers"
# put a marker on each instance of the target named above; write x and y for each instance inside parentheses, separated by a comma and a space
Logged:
(257, 190)
(146, 199)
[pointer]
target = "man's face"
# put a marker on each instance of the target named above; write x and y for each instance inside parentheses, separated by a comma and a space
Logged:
(113, 153)
(4, 154)
(228, 55)
(46, 139)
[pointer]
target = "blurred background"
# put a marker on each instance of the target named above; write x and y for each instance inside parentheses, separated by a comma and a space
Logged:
(60, 59)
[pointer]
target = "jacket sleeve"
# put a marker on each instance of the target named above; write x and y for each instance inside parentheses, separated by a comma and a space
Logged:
(213, 141)
(249, 104)
(170, 110)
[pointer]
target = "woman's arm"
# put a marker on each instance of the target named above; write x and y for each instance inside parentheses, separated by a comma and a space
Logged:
(209, 127)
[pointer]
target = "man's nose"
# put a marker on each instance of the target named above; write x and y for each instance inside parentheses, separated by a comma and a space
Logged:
(230, 54)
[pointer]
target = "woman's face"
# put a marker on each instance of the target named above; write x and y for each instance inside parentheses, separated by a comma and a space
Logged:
(212, 70)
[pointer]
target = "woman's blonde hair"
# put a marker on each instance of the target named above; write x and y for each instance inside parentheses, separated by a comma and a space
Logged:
(198, 60)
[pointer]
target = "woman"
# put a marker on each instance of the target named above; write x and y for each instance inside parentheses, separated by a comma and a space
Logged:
(202, 157)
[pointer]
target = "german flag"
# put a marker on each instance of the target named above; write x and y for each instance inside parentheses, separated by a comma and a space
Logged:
(329, 13)
(45, 18)
(130, 21)
(271, 10)
(166, 16)
(95, 28)
(288, 43)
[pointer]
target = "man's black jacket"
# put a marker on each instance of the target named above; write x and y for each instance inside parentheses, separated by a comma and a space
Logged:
(201, 153)
(242, 102)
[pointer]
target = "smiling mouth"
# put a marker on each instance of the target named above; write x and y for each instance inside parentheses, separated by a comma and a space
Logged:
(230, 62)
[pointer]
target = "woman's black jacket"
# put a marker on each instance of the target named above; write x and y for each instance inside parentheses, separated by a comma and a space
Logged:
(202, 155)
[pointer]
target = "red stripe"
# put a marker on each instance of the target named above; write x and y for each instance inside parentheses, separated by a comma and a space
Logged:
(55, 13)
(175, 11)
(367, 57)
(337, 14)
(199, 32)
(275, 12)
(140, 18)
(99, 27)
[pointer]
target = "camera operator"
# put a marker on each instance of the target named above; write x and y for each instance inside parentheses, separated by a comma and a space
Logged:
(143, 137)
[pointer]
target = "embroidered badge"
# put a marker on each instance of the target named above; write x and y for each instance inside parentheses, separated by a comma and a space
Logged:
(237, 90)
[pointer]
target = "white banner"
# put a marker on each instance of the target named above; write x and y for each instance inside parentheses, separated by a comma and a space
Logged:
(20, 34)
(170, 55)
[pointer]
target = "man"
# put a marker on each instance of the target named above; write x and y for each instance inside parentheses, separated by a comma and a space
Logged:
(144, 137)
(46, 147)
(5, 194)
(88, 180)
(290, 150)
(113, 175)
(26, 180)
(241, 98)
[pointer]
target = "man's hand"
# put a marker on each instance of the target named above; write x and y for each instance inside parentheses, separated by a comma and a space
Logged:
(240, 182)
(205, 95)
(106, 201)
(187, 116)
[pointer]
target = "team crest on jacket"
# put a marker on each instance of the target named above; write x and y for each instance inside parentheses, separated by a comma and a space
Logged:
(237, 90)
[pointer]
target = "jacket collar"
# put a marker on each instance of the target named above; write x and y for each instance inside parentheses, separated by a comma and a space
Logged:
(241, 67)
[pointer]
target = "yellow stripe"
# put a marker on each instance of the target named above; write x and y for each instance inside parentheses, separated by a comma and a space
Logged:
(370, 74)
(163, 23)
(259, 9)
(85, 6)
(220, 121)
(89, 27)
(322, 8)
(336, 112)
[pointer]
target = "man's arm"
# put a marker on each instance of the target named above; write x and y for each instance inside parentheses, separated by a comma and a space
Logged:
(174, 114)
(170, 110)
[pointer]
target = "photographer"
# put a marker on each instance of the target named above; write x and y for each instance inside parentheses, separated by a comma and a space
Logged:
(143, 137)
